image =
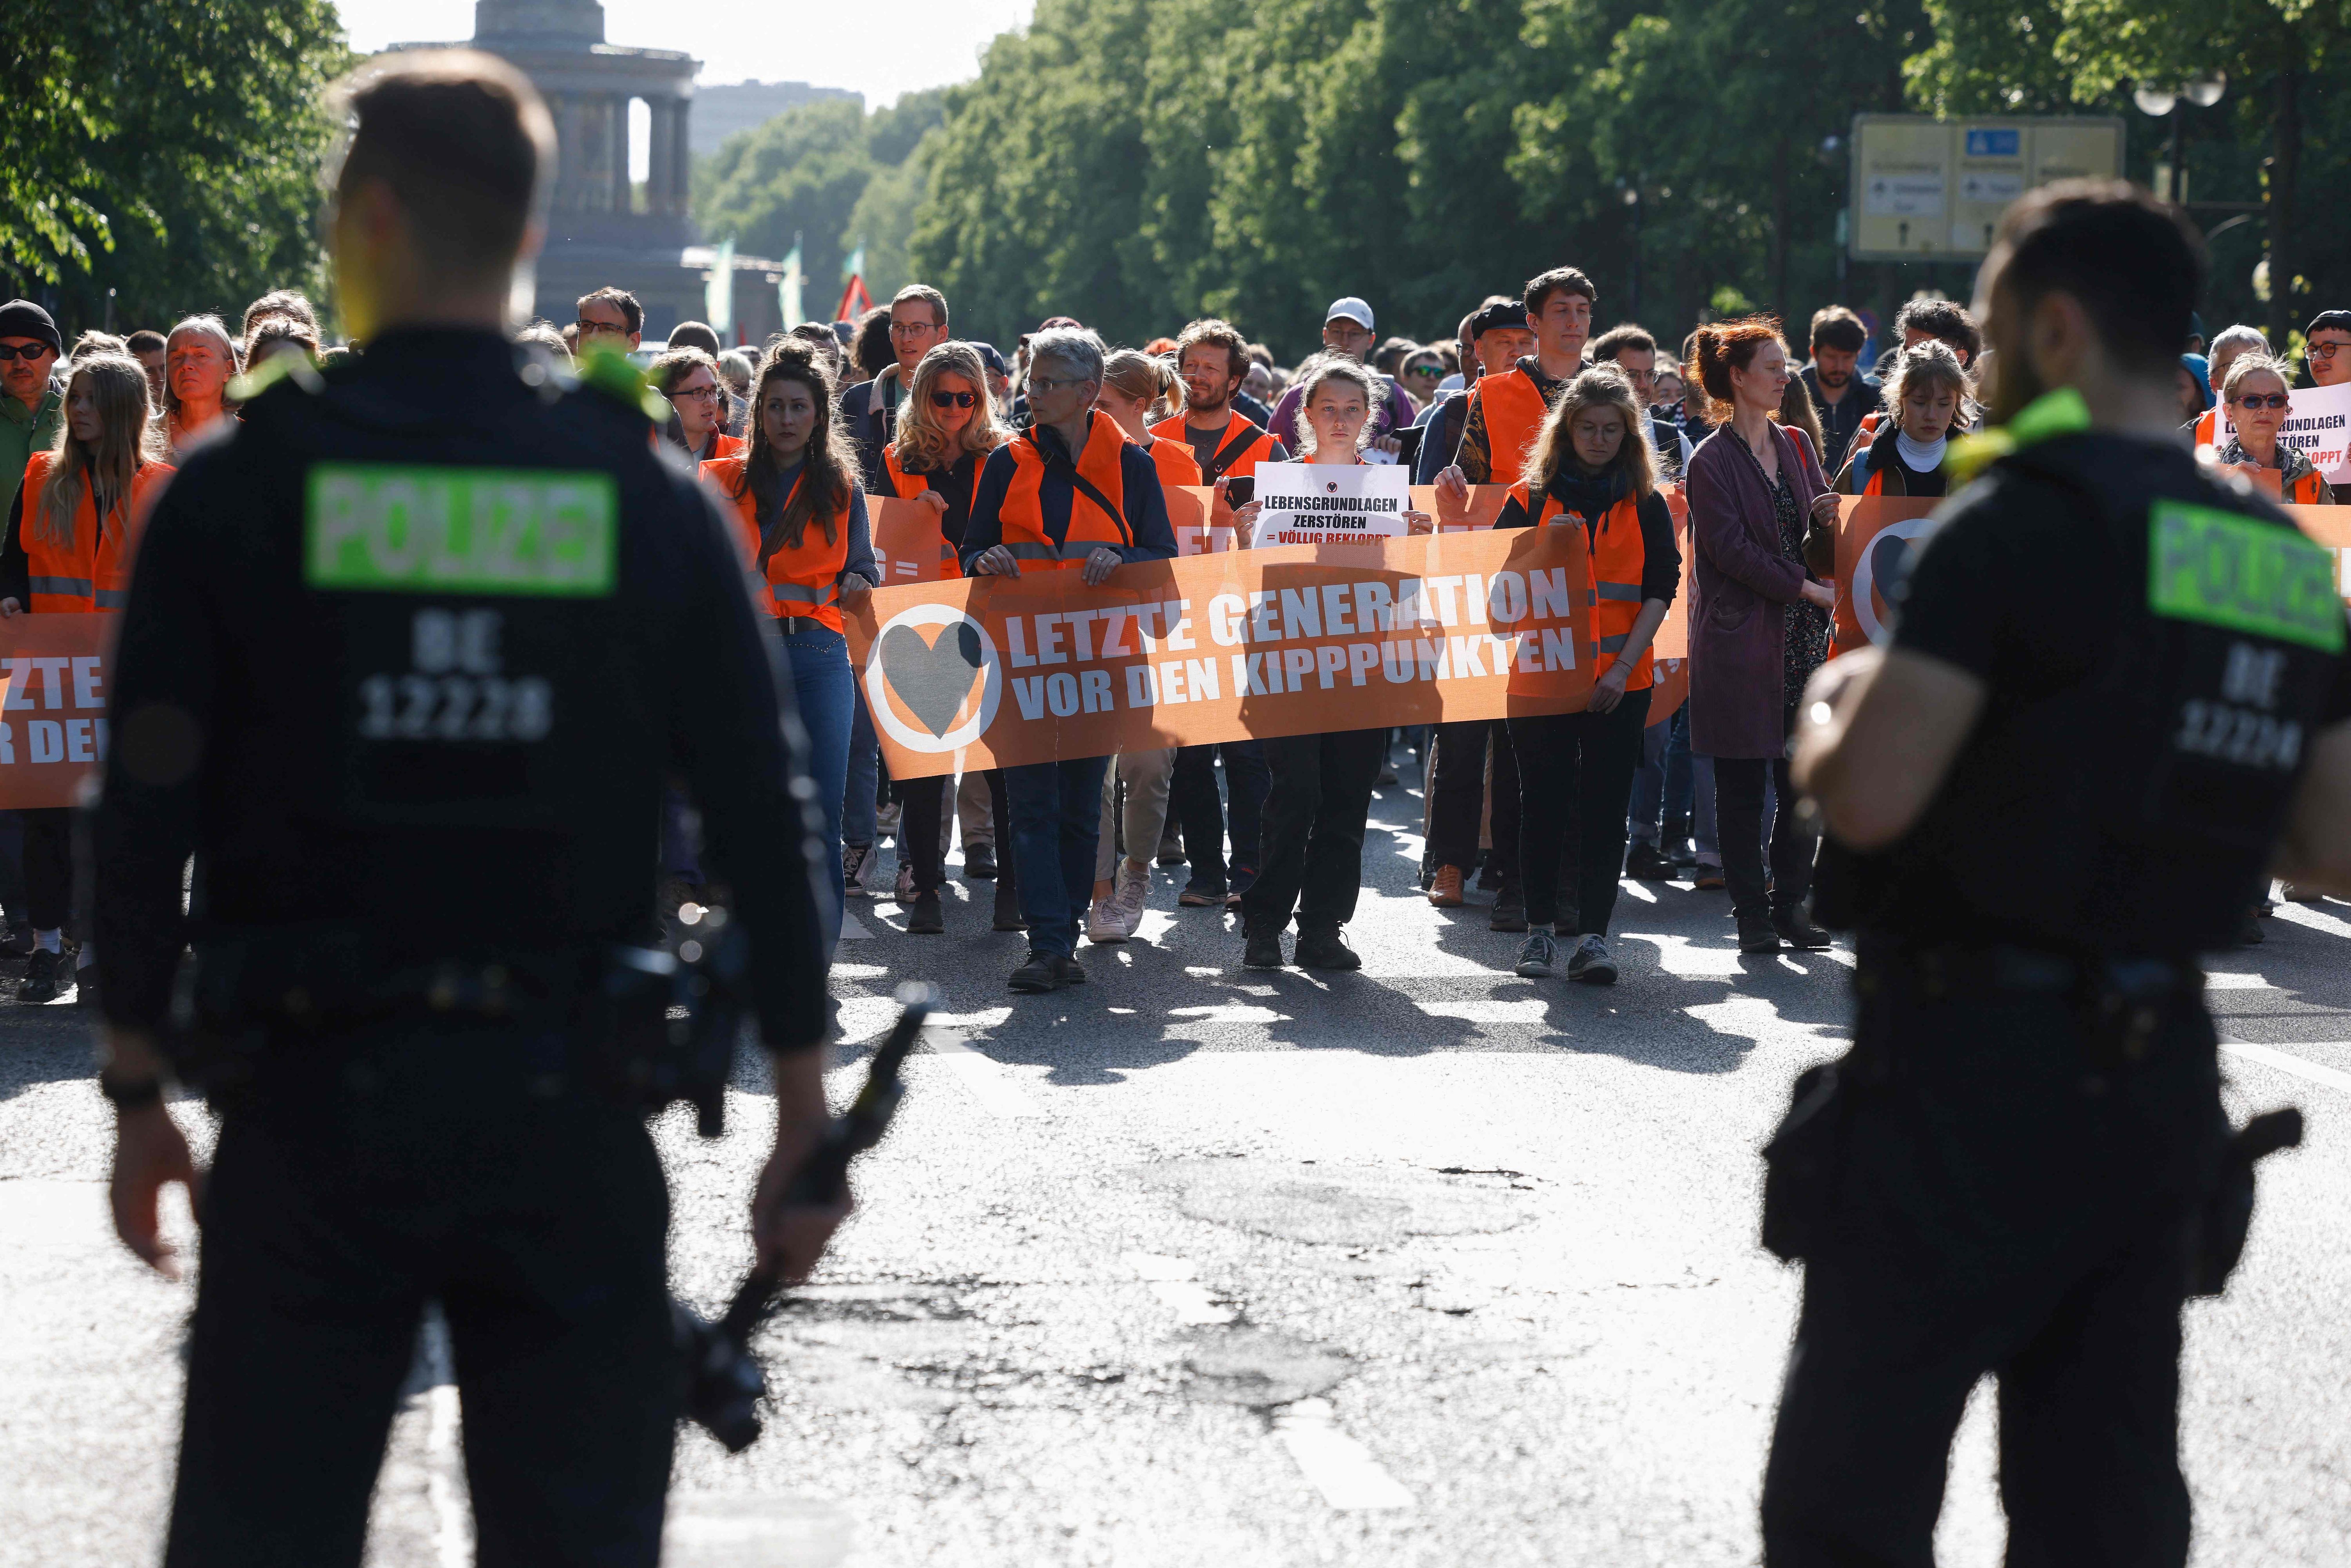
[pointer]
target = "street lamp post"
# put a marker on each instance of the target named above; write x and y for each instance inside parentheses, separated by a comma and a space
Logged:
(2159, 102)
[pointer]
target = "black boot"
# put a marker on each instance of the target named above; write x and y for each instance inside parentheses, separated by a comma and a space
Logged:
(924, 916)
(1796, 928)
(1675, 842)
(1008, 900)
(1756, 934)
(1262, 951)
(1326, 949)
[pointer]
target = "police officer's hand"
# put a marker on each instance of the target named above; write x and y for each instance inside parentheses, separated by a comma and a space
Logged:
(996, 560)
(790, 1237)
(148, 1155)
(1453, 484)
(1099, 565)
(853, 588)
(1609, 689)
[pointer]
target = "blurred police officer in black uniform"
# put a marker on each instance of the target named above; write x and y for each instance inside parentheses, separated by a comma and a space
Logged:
(2115, 701)
(406, 658)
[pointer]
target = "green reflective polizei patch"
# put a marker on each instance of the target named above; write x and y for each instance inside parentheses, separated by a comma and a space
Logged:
(2226, 570)
(396, 528)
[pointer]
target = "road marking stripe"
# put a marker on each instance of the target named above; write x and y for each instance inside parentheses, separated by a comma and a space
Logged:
(2286, 1061)
(2235, 983)
(1229, 1012)
(989, 1084)
(1176, 1284)
(1342, 1469)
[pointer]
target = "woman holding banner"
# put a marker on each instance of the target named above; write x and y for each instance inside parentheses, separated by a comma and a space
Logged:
(800, 518)
(1926, 404)
(72, 530)
(2257, 392)
(1134, 392)
(1589, 466)
(1320, 796)
(946, 428)
(1759, 622)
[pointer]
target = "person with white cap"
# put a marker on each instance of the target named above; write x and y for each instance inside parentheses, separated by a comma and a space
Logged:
(1348, 332)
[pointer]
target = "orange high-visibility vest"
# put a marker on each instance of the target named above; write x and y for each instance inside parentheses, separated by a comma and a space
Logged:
(1515, 409)
(2305, 491)
(1247, 450)
(1093, 523)
(1614, 561)
(907, 486)
(728, 446)
(799, 582)
(1174, 461)
(94, 573)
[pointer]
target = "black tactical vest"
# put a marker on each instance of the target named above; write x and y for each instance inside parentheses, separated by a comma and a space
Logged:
(2136, 810)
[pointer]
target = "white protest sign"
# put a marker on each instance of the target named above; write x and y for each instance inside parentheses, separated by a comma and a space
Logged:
(1319, 504)
(2316, 426)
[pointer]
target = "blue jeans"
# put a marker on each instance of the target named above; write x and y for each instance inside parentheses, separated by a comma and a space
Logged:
(824, 688)
(863, 803)
(1056, 813)
(1662, 782)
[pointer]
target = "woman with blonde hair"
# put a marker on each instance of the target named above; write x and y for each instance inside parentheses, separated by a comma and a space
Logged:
(72, 531)
(1589, 466)
(947, 427)
(1137, 392)
(1320, 795)
(1927, 402)
(199, 360)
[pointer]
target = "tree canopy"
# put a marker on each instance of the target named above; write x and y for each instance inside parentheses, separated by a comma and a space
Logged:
(170, 152)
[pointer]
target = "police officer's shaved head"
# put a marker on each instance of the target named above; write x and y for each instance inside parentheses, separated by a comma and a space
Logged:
(2134, 263)
(461, 139)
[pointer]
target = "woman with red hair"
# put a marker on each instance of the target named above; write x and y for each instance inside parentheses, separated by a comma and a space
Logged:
(1759, 621)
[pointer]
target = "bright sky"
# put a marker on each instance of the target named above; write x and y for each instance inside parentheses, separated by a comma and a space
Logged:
(927, 43)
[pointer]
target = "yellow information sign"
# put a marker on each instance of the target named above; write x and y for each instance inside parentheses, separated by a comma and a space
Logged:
(1933, 190)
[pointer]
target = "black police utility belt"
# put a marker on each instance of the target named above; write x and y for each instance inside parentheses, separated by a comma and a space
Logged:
(647, 1024)
(2151, 793)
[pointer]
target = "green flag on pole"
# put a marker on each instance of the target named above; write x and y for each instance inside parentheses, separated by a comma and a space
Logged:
(719, 296)
(793, 315)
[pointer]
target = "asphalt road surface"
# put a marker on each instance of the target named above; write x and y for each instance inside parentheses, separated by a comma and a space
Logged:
(1428, 1265)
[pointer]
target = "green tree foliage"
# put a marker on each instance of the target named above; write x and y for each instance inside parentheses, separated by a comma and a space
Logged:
(833, 175)
(170, 152)
(1137, 164)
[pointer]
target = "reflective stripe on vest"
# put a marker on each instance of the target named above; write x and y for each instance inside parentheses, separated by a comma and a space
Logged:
(93, 573)
(1021, 518)
(1515, 408)
(1615, 560)
(798, 583)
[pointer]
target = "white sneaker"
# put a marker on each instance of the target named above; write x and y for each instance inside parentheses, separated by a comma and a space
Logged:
(1132, 891)
(1102, 924)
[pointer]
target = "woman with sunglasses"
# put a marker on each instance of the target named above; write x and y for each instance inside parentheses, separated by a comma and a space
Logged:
(697, 425)
(72, 530)
(2255, 393)
(800, 519)
(947, 427)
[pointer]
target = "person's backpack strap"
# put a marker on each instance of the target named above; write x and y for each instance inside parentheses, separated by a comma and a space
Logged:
(1231, 451)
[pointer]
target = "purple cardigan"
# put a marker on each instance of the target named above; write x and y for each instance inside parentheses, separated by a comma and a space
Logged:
(1738, 615)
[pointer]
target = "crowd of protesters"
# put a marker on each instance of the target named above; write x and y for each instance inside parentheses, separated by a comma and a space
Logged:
(1058, 458)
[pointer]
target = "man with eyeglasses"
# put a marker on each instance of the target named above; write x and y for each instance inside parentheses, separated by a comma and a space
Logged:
(2327, 348)
(868, 411)
(612, 320)
(32, 407)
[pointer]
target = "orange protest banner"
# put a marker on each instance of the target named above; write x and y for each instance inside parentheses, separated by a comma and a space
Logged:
(1224, 646)
(53, 678)
(1873, 540)
(907, 544)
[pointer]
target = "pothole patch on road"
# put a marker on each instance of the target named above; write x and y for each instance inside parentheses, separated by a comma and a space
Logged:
(1261, 1369)
(1338, 1205)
